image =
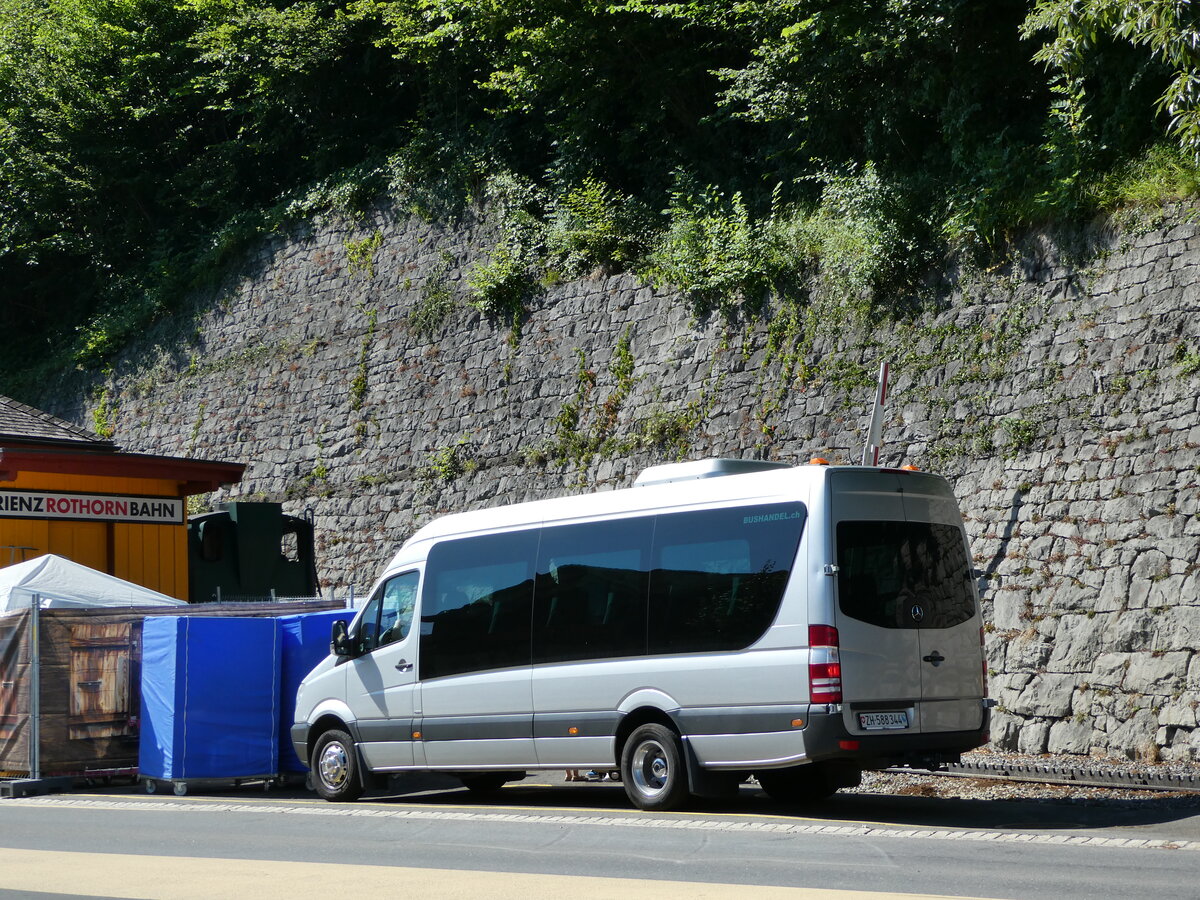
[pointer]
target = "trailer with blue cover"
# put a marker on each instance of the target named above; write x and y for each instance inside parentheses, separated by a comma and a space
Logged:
(210, 701)
(305, 639)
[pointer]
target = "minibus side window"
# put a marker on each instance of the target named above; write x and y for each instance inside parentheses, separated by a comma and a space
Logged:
(476, 604)
(719, 575)
(396, 611)
(590, 601)
(388, 614)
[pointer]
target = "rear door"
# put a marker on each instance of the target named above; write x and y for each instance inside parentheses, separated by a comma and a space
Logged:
(880, 644)
(944, 591)
(907, 614)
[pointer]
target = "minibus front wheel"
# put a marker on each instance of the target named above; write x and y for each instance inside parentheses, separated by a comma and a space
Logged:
(334, 764)
(653, 769)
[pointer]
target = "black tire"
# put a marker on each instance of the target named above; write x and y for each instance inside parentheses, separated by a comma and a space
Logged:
(803, 784)
(652, 769)
(334, 764)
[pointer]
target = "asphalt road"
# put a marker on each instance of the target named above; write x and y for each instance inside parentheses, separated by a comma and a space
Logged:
(545, 838)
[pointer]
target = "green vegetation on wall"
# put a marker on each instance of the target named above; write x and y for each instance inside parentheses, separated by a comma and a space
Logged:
(436, 303)
(738, 152)
(103, 412)
(444, 465)
(360, 384)
(360, 254)
(593, 424)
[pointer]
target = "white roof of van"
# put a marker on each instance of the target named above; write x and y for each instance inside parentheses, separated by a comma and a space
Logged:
(776, 484)
(696, 469)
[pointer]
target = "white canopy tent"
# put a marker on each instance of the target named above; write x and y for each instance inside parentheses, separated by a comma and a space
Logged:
(62, 583)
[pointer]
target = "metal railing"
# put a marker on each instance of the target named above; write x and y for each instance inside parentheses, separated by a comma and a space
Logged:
(220, 596)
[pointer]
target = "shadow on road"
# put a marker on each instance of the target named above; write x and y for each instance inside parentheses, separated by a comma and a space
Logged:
(548, 791)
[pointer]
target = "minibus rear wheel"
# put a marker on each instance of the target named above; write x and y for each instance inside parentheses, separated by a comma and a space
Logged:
(334, 764)
(652, 768)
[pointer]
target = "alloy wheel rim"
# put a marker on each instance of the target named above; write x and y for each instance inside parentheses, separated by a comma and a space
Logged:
(334, 765)
(651, 771)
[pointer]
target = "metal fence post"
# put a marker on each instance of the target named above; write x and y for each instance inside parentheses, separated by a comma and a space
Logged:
(35, 687)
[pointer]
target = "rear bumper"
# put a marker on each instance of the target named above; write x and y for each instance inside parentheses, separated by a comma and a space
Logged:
(826, 737)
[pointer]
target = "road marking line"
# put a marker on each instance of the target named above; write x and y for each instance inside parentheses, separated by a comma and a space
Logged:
(390, 803)
(616, 821)
(137, 877)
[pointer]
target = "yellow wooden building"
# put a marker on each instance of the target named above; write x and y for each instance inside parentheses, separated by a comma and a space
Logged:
(67, 491)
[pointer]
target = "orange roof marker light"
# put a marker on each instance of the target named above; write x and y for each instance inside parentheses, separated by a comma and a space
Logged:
(909, 468)
(818, 461)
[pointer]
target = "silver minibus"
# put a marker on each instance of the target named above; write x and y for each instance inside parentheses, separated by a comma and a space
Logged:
(719, 620)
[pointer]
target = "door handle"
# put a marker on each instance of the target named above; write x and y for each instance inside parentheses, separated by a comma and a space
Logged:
(404, 665)
(936, 658)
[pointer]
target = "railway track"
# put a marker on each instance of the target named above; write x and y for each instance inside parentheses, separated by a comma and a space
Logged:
(1084, 776)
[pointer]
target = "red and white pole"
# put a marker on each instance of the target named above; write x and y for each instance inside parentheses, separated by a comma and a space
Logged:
(870, 455)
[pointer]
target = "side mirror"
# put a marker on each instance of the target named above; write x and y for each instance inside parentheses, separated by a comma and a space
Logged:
(339, 639)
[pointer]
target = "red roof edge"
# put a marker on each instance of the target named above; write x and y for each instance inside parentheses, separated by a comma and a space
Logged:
(196, 476)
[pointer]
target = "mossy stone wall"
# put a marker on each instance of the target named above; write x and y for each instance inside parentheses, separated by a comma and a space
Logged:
(1058, 392)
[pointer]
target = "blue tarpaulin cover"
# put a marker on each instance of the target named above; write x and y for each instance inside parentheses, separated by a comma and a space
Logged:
(210, 697)
(305, 643)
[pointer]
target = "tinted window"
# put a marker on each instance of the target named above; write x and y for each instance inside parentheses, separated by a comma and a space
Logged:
(591, 591)
(718, 576)
(887, 568)
(476, 604)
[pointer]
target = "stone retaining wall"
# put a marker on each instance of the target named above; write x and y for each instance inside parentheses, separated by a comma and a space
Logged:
(1057, 392)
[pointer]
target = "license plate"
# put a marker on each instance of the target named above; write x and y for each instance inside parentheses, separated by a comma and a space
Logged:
(879, 721)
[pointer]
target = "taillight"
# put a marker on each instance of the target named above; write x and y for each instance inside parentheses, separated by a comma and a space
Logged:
(824, 665)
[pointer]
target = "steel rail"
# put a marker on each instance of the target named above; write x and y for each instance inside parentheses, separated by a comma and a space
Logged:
(1083, 776)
